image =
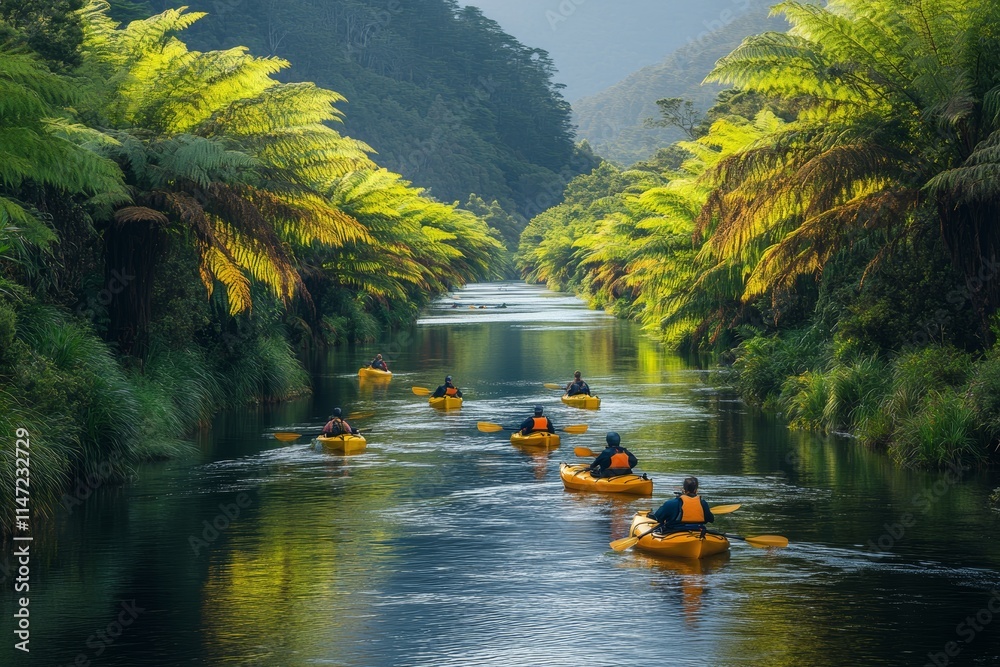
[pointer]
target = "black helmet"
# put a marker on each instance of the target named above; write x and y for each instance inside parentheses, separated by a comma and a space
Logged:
(448, 379)
(538, 411)
(614, 439)
(337, 412)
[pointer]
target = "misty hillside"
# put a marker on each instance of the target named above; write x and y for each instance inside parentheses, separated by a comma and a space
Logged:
(613, 121)
(596, 43)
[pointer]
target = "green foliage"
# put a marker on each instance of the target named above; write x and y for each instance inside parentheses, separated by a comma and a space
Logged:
(939, 433)
(38, 147)
(763, 363)
(880, 139)
(249, 172)
(984, 398)
(509, 226)
(95, 393)
(856, 392)
(804, 399)
(51, 28)
(443, 94)
(265, 369)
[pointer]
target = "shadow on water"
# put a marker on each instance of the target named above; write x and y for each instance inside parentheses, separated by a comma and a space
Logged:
(441, 545)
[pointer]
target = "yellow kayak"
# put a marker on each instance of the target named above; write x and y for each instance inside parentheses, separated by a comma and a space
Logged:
(369, 372)
(345, 444)
(583, 401)
(682, 544)
(540, 440)
(578, 478)
(445, 402)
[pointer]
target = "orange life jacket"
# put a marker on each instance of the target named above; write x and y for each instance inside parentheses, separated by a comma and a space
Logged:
(620, 460)
(541, 424)
(451, 391)
(691, 509)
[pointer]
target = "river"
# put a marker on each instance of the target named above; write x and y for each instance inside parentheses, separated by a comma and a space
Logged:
(444, 546)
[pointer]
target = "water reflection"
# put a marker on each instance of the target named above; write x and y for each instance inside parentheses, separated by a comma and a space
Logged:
(684, 583)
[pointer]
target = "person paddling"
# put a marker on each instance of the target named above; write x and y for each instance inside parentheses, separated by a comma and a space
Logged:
(447, 389)
(537, 424)
(687, 511)
(337, 426)
(614, 460)
(577, 386)
(379, 363)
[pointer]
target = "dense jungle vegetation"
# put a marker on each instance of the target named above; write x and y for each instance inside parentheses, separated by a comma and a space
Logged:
(176, 226)
(445, 96)
(831, 224)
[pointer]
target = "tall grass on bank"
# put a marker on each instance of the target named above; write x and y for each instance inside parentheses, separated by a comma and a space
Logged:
(93, 396)
(265, 370)
(942, 431)
(932, 407)
(764, 363)
(91, 419)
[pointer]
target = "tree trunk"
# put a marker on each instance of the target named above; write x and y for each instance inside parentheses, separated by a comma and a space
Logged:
(132, 251)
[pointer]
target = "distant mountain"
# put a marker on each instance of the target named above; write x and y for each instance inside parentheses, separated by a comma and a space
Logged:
(595, 43)
(613, 120)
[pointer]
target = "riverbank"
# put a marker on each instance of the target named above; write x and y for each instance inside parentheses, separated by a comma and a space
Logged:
(936, 407)
(93, 416)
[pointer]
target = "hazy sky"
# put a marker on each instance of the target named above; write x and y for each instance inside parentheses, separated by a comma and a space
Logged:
(596, 43)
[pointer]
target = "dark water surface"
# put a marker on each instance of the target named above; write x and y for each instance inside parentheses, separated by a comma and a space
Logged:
(445, 546)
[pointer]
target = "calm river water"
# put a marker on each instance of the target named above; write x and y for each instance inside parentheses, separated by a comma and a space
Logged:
(445, 546)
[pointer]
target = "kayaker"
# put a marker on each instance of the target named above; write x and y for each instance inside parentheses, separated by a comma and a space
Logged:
(614, 460)
(379, 363)
(537, 424)
(337, 426)
(577, 386)
(688, 509)
(447, 389)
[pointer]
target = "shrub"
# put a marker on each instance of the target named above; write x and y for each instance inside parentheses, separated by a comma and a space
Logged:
(983, 397)
(856, 392)
(763, 363)
(940, 432)
(804, 398)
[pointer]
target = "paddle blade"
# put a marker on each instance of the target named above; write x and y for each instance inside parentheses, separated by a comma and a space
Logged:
(421, 391)
(552, 385)
(287, 437)
(583, 451)
(488, 427)
(766, 541)
(360, 415)
(725, 509)
(576, 429)
(624, 543)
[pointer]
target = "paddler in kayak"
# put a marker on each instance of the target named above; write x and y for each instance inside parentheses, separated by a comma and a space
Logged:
(577, 386)
(687, 511)
(447, 389)
(614, 460)
(337, 425)
(537, 424)
(379, 363)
